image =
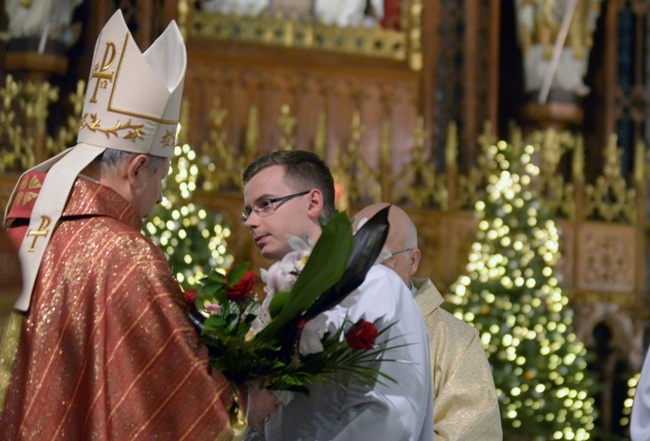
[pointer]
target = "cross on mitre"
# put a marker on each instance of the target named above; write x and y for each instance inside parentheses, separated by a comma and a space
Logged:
(115, 112)
(132, 103)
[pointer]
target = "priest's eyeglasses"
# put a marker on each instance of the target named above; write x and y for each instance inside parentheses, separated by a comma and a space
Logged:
(399, 252)
(265, 207)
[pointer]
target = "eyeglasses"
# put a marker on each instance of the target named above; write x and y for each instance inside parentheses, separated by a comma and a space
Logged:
(399, 252)
(265, 207)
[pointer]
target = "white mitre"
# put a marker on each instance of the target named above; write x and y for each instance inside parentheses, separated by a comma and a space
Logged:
(132, 103)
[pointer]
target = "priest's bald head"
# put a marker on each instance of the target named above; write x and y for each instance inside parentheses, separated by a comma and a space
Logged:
(402, 240)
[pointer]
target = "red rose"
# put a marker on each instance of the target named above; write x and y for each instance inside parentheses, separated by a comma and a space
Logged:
(241, 290)
(361, 335)
(190, 297)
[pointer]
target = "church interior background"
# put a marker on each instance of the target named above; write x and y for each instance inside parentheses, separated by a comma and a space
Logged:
(416, 102)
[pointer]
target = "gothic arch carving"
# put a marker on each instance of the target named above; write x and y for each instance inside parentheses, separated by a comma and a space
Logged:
(627, 336)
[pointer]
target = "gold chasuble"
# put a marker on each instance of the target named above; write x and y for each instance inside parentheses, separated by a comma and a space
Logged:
(106, 350)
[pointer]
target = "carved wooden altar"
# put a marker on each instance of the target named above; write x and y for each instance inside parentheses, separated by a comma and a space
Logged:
(403, 114)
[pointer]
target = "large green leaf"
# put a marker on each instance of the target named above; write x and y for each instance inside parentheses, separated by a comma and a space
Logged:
(236, 274)
(213, 293)
(324, 268)
(213, 276)
(367, 245)
(277, 303)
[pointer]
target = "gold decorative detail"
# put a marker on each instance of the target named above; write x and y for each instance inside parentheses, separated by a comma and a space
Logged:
(559, 156)
(415, 35)
(183, 13)
(551, 146)
(135, 130)
(451, 150)
(578, 164)
(285, 32)
(320, 138)
(169, 138)
(365, 185)
(215, 152)
(469, 185)
(419, 184)
(26, 191)
(100, 71)
(68, 132)
(23, 119)
(222, 164)
(385, 169)
(286, 123)
(252, 133)
(605, 258)
(41, 232)
(639, 163)
(610, 198)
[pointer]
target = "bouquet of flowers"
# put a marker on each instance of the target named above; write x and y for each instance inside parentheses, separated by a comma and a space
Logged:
(282, 341)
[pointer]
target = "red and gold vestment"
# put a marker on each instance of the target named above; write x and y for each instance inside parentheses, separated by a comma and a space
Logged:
(106, 350)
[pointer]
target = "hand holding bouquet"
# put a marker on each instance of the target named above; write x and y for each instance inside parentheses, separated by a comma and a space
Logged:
(283, 341)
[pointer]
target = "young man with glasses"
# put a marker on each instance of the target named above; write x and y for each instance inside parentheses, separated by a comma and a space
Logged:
(285, 192)
(289, 184)
(466, 406)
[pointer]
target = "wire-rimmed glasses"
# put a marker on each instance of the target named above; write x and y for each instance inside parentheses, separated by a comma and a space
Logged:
(265, 207)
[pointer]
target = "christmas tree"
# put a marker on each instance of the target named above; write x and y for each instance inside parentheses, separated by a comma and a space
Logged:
(192, 238)
(512, 297)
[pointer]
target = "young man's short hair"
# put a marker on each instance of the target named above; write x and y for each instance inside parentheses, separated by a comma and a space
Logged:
(304, 170)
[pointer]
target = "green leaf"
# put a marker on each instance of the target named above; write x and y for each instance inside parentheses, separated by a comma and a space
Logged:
(277, 303)
(213, 293)
(207, 291)
(214, 323)
(367, 245)
(324, 268)
(214, 276)
(231, 323)
(236, 274)
(242, 329)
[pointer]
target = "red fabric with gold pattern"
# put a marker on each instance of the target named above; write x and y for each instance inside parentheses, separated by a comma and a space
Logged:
(22, 205)
(28, 188)
(106, 350)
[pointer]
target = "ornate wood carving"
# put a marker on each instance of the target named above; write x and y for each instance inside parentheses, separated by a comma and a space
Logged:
(605, 259)
(410, 130)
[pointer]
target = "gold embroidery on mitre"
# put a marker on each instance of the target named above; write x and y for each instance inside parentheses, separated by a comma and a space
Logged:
(113, 108)
(135, 132)
(24, 195)
(169, 138)
(100, 73)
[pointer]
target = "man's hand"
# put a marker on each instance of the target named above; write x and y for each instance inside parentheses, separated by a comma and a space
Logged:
(261, 404)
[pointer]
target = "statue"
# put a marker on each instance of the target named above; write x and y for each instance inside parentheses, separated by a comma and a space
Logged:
(349, 13)
(238, 7)
(539, 24)
(43, 20)
(343, 13)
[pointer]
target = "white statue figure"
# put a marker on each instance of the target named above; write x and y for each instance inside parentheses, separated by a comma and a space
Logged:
(349, 13)
(44, 19)
(343, 13)
(238, 7)
(538, 26)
